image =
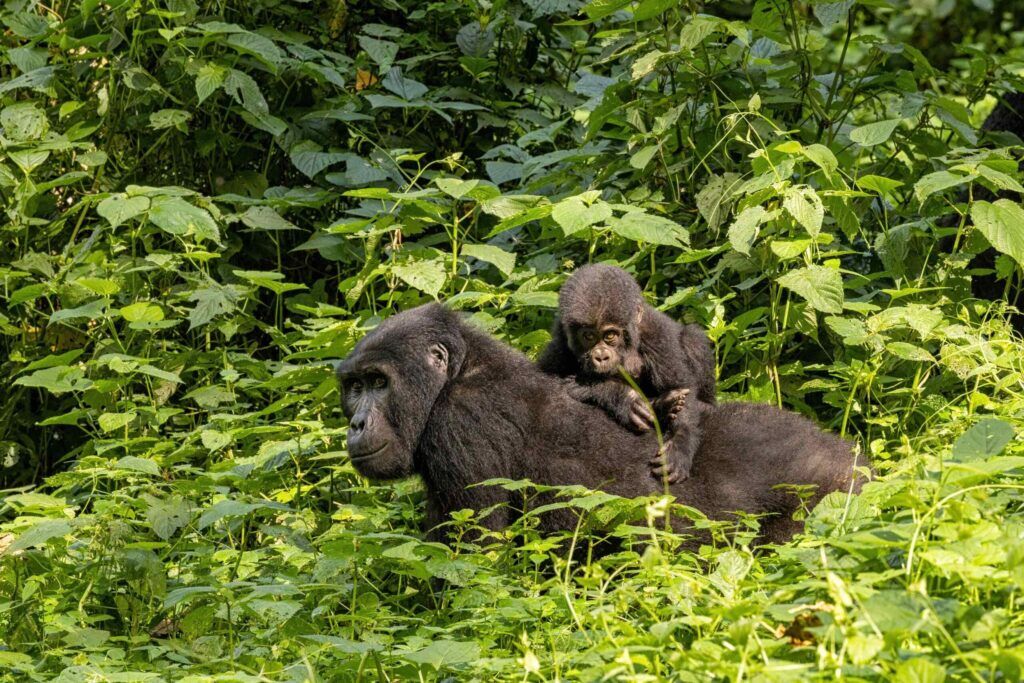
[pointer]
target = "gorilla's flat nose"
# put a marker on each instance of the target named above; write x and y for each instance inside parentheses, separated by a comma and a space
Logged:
(600, 355)
(357, 423)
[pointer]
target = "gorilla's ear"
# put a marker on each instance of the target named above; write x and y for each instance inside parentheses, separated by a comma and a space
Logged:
(639, 313)
(438, 357)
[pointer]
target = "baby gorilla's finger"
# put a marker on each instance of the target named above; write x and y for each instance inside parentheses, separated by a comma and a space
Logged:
(641, 417)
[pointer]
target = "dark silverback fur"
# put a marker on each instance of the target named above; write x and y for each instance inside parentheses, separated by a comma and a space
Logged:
(660, 354)
(487, 412)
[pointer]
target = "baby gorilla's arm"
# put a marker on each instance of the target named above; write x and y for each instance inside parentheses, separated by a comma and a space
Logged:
(619, 400)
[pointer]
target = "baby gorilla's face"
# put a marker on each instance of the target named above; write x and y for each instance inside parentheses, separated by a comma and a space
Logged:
(602, 350)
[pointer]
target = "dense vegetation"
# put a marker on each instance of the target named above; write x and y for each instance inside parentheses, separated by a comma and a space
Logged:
(207, 202)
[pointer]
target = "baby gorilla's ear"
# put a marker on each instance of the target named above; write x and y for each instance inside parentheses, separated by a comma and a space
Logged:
(438, 357)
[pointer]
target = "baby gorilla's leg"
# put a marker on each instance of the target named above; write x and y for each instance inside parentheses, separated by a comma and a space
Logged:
(681, 419)
(617, 399)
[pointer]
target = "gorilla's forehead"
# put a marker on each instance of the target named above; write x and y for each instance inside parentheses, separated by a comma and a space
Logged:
(395, 340)
(590, 312)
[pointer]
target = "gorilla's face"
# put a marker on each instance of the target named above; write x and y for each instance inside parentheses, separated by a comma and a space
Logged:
(601, 349)
(389, 384)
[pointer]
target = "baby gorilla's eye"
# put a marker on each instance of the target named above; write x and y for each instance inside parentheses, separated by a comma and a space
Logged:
(588, 336)
(610, 336)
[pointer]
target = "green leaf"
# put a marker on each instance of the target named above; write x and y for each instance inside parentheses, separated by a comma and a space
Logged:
(936, 182)
(575, 214)
(427, 276)
(1002, 224)
(642, 157)
(442, 653)
(820, 154)
(226, 508)
(804, 205)
(874, 133)
(984, 440)
(499, 258)
(176, 216)
(110, 422)
(39, 534)
(383, 52)
(743, 230)
(118, 208)
(919, 670)
(210, 77)
(908, 351)
(643, 227)
(137, 464)
(142, 311)
(56, 380)
(822, 287)
(24, 121)
(165, 517)
(268, 280)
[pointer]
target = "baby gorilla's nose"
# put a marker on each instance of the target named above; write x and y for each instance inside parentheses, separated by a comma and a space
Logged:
(601, 357)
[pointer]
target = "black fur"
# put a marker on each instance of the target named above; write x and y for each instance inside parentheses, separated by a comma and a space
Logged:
(459, 408)
(662, 356)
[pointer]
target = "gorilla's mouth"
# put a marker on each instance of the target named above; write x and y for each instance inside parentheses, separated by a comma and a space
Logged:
(366, 455)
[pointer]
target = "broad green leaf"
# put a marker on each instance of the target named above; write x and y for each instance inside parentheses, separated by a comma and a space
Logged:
(442, 653)
(643, 227)
(820, 154)
(908, 351)
(804, 205)
(176, 216)
(743, 231)
(24, 121)
(166, 516)
(40, 533)
(265, 218)
(575, 214)
(984, 440)
(136, 464)
(142, 311)
(427, 276)
(119, 208)
(643, 156)
(1002, 224)
(56, 380)
(110, 422)
(499, 258)
(715, 198)
(822, 287)
(383, 52)
(226, 508)
(919, 670)
(936, 182)
(874, 133)
(210, 77)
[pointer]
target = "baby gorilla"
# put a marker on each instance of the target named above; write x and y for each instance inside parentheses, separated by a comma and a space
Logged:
(604, 325)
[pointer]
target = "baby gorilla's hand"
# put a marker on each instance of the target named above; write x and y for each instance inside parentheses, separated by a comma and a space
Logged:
(671, 464)
(640, 418)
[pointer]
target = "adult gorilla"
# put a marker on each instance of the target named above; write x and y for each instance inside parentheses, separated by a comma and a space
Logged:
(427, 394)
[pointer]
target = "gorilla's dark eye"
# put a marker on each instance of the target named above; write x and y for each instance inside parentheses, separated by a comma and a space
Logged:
(611, 335)
(588, 336)
(379, 381)
(352, 386)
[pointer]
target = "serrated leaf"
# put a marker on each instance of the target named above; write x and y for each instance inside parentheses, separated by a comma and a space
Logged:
(39, 534)
(383, 52)
(110, 422)
(1002, 224)
(984, 440)
(822, 287)
(499, 258)
(643, 227)
(427, 276)
(209, 78)
(908, 351)
(226, 508)
(176, 216)
(574, 214)
(443, 653)
(137, 464)
(804, 205)
(743, 230)
(118, 208)
(142, 311)
(936, 182)
(167, 516)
